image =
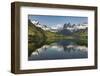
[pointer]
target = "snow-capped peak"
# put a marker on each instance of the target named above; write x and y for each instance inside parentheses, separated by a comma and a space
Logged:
(74, 27)
(37, 24)
(34, 21)
(58, 27)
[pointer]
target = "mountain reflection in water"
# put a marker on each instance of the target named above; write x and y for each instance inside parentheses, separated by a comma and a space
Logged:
(62, 49)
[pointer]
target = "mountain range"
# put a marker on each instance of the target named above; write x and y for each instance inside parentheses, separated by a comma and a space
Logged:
(65, 29)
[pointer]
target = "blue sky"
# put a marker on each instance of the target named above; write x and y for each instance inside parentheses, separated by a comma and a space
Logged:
(54, 20)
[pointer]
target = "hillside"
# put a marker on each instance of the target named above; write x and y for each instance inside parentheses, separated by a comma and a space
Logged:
(36, 37)
(35, 33)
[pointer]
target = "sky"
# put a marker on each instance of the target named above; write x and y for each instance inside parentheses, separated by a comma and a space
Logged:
(58, 20)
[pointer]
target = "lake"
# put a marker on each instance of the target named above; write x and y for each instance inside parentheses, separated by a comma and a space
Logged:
(62, 49)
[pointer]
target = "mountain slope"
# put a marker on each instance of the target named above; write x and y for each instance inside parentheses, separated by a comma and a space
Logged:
(35, 33)
(36, 37)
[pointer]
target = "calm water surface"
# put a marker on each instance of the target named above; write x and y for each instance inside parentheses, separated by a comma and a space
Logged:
(63, 49)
